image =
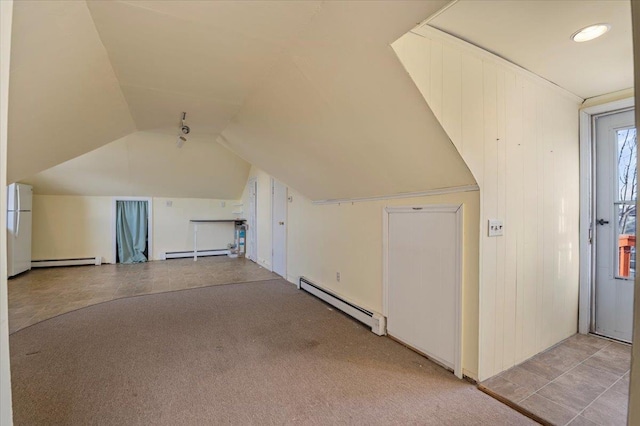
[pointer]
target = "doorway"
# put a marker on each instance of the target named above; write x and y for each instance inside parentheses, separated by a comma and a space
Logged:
(132, 225)
(422, 280)
(252, 220)
(615, 223)
(279, 227)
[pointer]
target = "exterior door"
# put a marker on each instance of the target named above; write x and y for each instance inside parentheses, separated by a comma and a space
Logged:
(279, 227)
(615, 224)
(423, 281)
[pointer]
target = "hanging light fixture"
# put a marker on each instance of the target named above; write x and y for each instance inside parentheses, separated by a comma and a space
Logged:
(184, 130)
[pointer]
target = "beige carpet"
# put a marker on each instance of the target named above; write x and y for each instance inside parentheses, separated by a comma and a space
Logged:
(254, 353)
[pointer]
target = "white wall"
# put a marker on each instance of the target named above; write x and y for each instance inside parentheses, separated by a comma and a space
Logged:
(74, 226)
(519, 136)
(6, 17)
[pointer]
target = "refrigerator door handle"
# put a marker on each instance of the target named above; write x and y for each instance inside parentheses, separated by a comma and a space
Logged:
(17, 223)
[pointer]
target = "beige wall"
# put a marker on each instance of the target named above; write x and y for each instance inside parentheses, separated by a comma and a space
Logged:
(68, 227)
(519, 136)
(6, 16)
(74, 226)
(347, 238)
(173, 232)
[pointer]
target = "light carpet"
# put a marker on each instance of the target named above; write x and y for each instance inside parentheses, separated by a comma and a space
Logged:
(253, 353)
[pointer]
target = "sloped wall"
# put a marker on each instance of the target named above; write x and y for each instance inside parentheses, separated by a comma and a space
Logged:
(519, 137)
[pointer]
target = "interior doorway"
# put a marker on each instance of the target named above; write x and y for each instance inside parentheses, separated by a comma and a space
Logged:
(252, 220)
(615, 223)
(132, 225)
(279, 227)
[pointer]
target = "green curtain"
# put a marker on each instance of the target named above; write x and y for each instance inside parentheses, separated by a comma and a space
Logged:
(131, 231)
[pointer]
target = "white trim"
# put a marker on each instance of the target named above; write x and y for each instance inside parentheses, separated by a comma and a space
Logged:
(286, 225)
(587, 206)
(428, 193)
(433, 208)
(114, 201)
(426, 31)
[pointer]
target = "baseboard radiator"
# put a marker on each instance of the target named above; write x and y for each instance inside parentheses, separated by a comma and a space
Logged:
(201, 253)
(372, 319)
(66, 262)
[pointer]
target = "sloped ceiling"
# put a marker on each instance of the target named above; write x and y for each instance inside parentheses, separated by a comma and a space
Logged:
(311, 92)
(64, 98)
(148, 164)
(339, 117)
(536, 35)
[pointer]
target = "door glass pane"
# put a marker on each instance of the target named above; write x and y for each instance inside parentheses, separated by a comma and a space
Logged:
(626, 241)
(627, 170)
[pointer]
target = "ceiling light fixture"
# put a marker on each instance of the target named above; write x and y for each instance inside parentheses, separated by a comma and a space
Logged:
(591, 32)
(185, 130)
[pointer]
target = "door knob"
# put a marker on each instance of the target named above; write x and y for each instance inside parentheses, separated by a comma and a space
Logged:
(601, 221)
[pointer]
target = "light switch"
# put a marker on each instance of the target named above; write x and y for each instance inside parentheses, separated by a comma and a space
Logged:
(496, 228)
(223, 204)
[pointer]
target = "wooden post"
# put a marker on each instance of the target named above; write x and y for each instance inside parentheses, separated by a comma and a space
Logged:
(625, 242)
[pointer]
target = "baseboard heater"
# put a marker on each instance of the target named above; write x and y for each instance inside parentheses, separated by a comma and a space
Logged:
(201, 253)
(372, 319)
(66, 262)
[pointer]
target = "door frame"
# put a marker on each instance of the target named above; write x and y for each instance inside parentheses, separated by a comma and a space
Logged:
(431, 208)
(114, 203)
(254, 249)
(586, 303)
(286, 226)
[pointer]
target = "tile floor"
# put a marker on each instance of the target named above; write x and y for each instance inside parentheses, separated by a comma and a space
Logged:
(44, 293)
(584, 380)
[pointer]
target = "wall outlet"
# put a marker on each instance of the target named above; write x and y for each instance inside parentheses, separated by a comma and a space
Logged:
(496, 228)
(338, 276)
(223, 204)
(169, 203)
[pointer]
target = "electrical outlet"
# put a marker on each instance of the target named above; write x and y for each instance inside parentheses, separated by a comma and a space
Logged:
(496, 228)
(169, 203)
(338, 276)
(223, 204)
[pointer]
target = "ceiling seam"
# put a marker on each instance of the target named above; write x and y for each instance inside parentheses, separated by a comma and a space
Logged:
(269, 73)
(95, 27)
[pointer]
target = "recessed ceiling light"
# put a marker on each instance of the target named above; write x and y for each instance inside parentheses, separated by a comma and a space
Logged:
(590, 32)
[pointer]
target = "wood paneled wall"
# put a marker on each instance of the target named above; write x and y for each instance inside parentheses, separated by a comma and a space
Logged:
(519, 136)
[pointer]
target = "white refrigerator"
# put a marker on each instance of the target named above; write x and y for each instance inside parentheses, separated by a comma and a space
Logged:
(19, 198)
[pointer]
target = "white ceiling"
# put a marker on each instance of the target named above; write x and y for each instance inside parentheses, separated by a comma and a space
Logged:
(310, 92)
(536, 34)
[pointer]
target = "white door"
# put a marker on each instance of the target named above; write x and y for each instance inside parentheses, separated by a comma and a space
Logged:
(252, 246)
(423, 281)
(279, 227)
(616, 190)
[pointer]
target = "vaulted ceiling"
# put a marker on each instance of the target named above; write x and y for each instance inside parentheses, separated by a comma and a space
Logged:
(311, 92)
